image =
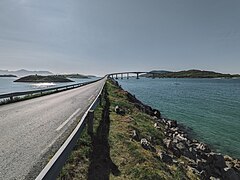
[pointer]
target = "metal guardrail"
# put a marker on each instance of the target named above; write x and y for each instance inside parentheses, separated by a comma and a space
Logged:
(54, 166)
(11, 96)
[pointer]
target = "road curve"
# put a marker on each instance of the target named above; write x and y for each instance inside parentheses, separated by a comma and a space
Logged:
(31, 129)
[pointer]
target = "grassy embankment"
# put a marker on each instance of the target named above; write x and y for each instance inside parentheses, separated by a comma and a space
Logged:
(112, 153)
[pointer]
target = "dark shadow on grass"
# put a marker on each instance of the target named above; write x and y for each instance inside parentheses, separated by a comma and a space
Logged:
(101, 164)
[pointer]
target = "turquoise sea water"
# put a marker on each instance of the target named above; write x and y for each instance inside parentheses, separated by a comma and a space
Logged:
(210, 107)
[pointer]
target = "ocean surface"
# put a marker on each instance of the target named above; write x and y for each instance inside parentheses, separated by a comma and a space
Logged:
(7, 85)
(209, 107)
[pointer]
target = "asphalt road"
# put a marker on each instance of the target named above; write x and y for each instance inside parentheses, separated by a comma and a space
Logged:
(31, 129)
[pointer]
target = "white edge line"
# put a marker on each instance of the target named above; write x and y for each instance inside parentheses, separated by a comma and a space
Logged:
(91, 97)
(65, 144)
(68, 119)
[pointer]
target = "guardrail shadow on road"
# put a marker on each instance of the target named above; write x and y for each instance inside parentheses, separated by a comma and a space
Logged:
(101, 164)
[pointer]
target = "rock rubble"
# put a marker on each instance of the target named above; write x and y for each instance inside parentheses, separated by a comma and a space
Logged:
(202, 160)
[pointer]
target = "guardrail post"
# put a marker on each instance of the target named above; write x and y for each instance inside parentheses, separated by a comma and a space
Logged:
(100, 99)
(90, 119)
(11, 98)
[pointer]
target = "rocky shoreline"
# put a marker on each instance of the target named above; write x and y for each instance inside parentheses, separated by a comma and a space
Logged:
(202, 160)
(198, 157)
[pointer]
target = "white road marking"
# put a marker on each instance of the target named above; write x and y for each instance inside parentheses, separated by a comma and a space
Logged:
(91, 97)
(65, 122)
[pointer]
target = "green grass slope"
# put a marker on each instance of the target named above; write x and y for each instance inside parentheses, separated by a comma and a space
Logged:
(112, 153)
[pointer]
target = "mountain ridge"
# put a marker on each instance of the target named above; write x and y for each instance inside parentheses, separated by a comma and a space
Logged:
(24, 72)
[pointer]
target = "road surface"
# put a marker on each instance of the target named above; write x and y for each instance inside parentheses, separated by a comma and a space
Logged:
(31, 130)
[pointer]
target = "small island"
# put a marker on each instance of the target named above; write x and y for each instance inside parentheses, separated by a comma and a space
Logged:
(190, 74)
(43, 79)
(7, 75)
(76, 76)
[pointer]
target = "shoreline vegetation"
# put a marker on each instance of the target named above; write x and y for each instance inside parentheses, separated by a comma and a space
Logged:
(188, 74)
(133, 141)
(43, 79)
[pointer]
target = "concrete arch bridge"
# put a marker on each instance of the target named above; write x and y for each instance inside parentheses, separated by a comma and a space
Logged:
(126, 74)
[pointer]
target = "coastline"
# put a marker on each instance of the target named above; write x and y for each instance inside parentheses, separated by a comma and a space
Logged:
(202, 159)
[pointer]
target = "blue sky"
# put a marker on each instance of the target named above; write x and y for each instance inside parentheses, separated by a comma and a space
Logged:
(102, 36)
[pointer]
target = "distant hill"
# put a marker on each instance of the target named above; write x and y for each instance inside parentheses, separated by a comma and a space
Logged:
(91, 76)
(76, 76)
(23, 72)
(192, 74)
(8, 75)
(160, 71)
(43, 79)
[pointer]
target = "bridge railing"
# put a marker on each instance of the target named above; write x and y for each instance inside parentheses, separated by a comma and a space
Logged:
(15, 96)
(54, 166)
